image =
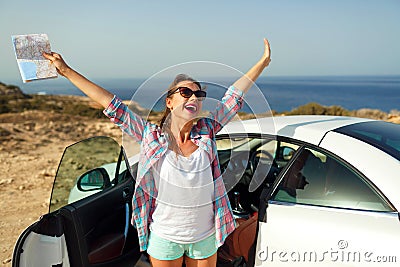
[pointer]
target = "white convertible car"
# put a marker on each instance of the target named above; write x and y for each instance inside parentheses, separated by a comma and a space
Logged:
(305, 190)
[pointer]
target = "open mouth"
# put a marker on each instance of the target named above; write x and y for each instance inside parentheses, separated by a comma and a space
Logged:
(191, 108)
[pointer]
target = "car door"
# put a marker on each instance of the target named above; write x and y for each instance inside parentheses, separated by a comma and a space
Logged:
(88, 223)
(324, 212)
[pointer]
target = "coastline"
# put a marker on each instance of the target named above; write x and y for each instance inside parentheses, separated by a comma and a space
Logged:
(73, 105)
(283, 93)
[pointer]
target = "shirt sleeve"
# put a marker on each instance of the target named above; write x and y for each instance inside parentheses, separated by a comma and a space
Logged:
(129, 122)
(227, 108)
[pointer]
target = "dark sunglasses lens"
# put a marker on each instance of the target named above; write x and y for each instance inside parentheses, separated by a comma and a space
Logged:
(200, 94)
(186, 92)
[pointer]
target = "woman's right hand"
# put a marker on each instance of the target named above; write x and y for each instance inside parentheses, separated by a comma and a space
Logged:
(59, 63)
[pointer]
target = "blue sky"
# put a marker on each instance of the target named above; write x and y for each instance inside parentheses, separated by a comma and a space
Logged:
(135, 39)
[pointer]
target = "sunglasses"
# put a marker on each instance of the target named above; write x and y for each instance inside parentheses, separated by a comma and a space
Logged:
(187, 93)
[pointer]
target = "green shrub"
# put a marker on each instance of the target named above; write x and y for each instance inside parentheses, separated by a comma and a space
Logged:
(317, 109)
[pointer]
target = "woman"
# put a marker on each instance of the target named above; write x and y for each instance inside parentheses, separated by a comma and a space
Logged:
(179, 180)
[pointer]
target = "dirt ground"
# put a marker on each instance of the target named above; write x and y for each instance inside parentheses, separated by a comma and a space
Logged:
(31, 146)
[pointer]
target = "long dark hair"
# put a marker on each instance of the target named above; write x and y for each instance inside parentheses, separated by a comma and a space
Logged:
(179, 78)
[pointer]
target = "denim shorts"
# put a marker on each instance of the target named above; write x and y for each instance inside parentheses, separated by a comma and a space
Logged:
(163, 249)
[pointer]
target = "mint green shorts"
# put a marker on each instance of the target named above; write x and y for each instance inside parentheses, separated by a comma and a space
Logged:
(163, 249)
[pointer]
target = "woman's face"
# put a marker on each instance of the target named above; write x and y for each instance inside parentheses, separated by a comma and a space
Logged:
(185, 108)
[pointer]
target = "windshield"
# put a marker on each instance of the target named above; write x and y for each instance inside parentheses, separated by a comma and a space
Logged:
(97, 155)
(380, 134)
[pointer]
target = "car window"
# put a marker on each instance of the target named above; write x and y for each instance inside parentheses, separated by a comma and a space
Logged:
(284, 152)
(125, 174)
(229, 143)
(316, 178)
(238, 157)
(252, 161)
(86, 168)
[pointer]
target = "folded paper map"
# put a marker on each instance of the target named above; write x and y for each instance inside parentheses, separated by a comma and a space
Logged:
(28, 50)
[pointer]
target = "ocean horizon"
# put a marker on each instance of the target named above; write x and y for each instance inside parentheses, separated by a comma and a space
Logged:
(280, 93)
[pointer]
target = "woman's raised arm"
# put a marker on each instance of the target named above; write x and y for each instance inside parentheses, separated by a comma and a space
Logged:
(92, 90)
(246, 81)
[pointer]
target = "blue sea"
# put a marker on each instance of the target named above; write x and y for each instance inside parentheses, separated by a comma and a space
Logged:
(276, 93)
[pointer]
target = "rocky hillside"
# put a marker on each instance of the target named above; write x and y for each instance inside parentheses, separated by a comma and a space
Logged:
(11, 90)
(317, 109)
(13, 100)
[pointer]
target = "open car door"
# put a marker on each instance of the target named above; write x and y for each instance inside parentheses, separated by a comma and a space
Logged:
(88, 223)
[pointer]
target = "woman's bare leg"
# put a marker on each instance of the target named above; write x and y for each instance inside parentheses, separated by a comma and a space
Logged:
(166, 263)
(207, 262)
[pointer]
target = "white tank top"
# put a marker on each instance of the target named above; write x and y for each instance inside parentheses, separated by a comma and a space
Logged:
(184, 206)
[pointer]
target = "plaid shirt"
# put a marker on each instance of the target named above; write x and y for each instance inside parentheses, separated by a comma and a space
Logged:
(154, 144)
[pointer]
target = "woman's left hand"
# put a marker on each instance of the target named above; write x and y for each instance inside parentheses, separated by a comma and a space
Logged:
(267, 53)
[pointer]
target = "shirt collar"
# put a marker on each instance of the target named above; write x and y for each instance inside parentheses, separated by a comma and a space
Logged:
(194, 135)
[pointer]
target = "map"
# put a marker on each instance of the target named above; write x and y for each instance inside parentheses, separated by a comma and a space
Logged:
(28, 50)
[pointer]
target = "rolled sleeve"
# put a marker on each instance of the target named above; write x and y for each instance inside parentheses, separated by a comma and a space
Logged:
(126, 119)
(226, 110)
(112, 107)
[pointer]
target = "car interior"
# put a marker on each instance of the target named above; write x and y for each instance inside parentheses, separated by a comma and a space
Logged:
(248, 165)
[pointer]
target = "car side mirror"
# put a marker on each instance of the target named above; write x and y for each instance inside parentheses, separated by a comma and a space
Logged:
(288, 153)
(95, 179)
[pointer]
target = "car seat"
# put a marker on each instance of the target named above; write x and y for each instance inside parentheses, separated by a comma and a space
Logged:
(235, 250)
